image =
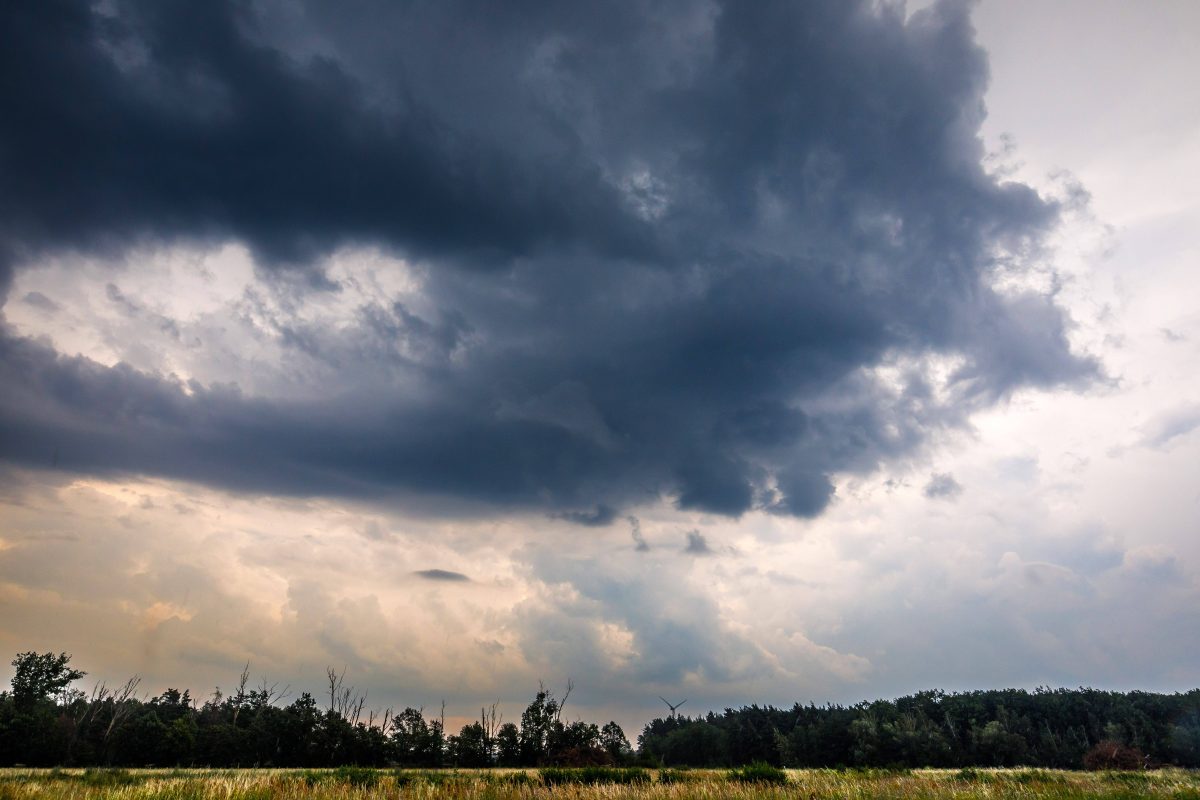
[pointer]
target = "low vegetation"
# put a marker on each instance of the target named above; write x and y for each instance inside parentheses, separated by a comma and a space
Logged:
(759, 782)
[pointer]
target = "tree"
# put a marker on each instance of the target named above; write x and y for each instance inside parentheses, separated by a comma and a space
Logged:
(1113, 755)
(41, 677)
(508, 745)
(470, 748)
(613, 740)
(537, 723)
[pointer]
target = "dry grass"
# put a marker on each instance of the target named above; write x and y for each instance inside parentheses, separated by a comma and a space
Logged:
(253, 784)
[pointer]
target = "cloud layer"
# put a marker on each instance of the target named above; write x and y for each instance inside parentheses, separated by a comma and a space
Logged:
(718, 254)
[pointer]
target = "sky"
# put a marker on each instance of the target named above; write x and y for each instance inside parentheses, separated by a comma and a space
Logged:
(772, 352)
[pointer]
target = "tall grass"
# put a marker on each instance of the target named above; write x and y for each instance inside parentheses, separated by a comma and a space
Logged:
(363, 784)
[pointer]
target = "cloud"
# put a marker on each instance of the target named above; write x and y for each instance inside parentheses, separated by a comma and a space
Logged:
(41, 302)
(635, 531)
(597, 517)
(942, 486)
(656, 252)
(1170, 425)
(441, 575)
(697, 545)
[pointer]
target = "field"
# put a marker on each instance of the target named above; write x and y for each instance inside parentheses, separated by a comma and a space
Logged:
(362, 784)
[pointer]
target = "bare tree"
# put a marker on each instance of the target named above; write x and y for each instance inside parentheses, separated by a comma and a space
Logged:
(335, 686)
(563, 703)
(239, 697)
(344, 700)
(271, 694)
(121, 705)
(490, 720)
(384, 723)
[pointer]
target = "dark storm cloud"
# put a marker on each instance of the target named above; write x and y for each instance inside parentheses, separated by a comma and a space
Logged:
(126, 120)
(664, 244)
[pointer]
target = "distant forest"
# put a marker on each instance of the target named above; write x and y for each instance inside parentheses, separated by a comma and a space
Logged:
(45, 721)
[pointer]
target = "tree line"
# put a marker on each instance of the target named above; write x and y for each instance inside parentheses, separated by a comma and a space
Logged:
(46, 721)
(1058, 728)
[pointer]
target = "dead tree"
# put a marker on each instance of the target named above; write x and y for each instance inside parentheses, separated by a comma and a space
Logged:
(239, 698)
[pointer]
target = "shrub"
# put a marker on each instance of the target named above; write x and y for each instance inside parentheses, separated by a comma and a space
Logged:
(362, 777)
(1128, 778)
(1038, 776)
(404, 777)
(555, 776)
(108, 777)
(675, 776)
(758, 772)
(513, 779)
(972, 775)
(1113, 755)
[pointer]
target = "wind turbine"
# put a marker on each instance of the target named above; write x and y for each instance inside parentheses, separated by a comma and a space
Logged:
(672, 707)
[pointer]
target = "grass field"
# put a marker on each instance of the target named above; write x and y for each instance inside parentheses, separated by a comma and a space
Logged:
(361, 784)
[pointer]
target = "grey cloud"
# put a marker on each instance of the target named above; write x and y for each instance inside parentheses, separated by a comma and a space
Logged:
(599, 516)
(40, 301)
(635, 532)
(684, 635)
(1172, 335)
(662, 259)
(376, 532)
(697, 545)
(118, 298)
(1169, 426)
(804, 494)
(441, 575)
(942, 486)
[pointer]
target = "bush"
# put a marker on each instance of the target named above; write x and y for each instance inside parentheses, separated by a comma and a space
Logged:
(405, 777)
(513, 779)
(758, 772)
(1038, 776)
(972, 775)
(555, 776)
(583, 757)
(362, 777)
(675, 776)
(108, 777)
(1113, 755)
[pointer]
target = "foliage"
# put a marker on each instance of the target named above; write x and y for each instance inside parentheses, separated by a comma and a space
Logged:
(1048, 728)
(108, 778)
(46, 722)
(41, 676)
(1113, 755)
(677, 776)
(758, 772)
(556, 776)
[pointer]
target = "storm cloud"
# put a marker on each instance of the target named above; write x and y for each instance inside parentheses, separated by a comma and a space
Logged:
(713, 253)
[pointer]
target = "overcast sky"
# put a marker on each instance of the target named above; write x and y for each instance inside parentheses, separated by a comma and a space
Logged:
(762, 352)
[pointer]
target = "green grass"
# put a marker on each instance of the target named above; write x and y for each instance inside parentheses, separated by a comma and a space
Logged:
(594, 784)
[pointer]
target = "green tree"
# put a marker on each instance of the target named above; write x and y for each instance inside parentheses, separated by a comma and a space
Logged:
(41, 676)
(613, 740)
(537, 725)
(508, 745)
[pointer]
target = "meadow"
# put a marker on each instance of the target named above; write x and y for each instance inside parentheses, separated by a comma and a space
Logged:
(368, 784)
